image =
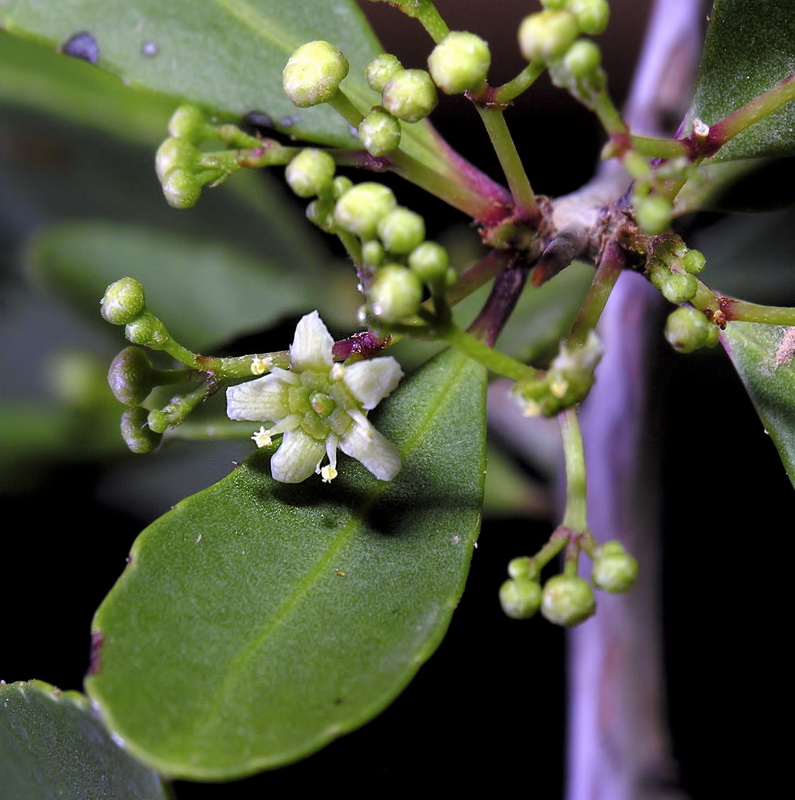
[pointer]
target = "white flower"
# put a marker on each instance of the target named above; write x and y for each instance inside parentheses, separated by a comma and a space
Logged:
(319, 406)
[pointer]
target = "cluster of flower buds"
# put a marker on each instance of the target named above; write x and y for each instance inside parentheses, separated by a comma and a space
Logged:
(183, 169)
(566, 599)
(132, 377)
(566, 382)
(672, 268)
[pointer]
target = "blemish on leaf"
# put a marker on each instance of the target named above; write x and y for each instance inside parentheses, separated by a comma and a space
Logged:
(257, 119)
(82, 45)
(95, 660)
(785, 351)
(149, 49)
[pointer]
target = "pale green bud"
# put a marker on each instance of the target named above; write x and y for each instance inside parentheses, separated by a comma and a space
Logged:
(380, 70)
(131, 376)
(342, 183)
(653, 213)
(175, 154)
(583, 58)
(567, 600)
(188, 122)
(522, 567)
(410, 95)
(182, 188)
(520, 598)
(431, 262)
(694, 261)
(395, 293)
(314, 73)
(547, 35)
(401, 230)
(460, 62)
(687, 329)
(379, 132)
(135, 431)
(123, 301)
(679, 288)
(373, 253)
(311, 172)
(360, 209)
(592, 15)
(147, 330)
(614, 570)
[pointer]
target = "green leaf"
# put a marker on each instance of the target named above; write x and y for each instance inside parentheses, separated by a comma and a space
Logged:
(763, 356)
(257, 621)
(54, 746)
(206, 291)
(750, 46)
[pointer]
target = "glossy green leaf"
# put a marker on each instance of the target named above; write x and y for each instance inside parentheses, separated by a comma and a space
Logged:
(225, 55)
(764, 357)
(52, 745)
(206, 291)
(257, 621)
(750, 46)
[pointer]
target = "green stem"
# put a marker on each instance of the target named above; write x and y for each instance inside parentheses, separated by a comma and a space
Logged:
(575, 517)
(557, 541)
(523, 81)
(342, 104)
(610, 267)
(479, 351)
(424, 11)
(658, 148)
(479, 275)
(608, 114)
(504, 147)
(728, 309)
(222, 430)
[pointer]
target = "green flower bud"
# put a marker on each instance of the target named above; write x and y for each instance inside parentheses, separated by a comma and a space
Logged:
(147, 330)
(395, 293)
(379, 132)
(687, 329)
(135, 431)
(380, 70)
(131, 376)
(522, 567)
(555, 5)
(520, 598)
(450, 278)
(614, 570)
(653, 213)
(679, 287)
(431, 262)
(611, 548)
(401, 230)
(175, 154)
(182, 188)
(582, 59)
(373, 253)
(188, 122)
(460, 62)
(547, 35)
(123, 301)
(360, 209)
(410, 95)
(341, 185)
(321, 213)
(311, 172)
(567, 600)
(694, 261)
(592, 15)
(313, 74)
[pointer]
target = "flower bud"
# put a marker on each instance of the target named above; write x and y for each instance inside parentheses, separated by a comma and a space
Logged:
(592, 15)
(431, 262)
(401, 230)
(174, 154)
(679, 287)
(653, 213)
(395, 293)
(567, 600)
(694, 261)
(410, 95)
(131, 376)
(340, 185)
(360, 209)
(379, 132)
(614, 570)
(583, 59)
(182, 188)
(123, 301)
(547, 35)
(135, 431)
(687, 329)
(373, 253)
(310, 172)
(520, 598)
(460, 62)
(522, 567)
(147, 330)
(188, 122)
(380, 70)
(313, 74)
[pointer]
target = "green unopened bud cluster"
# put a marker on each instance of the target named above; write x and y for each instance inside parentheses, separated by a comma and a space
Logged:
(566, 383)
(687, 329)
(183, 169)
(549, 35)
(614, 570)
(460, 63)
(314, 73)
(672, 268)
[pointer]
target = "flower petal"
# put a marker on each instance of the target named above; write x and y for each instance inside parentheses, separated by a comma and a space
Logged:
(297, 457)
(311, 347)
(259, 400)
(376, 452)
(371, 381)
